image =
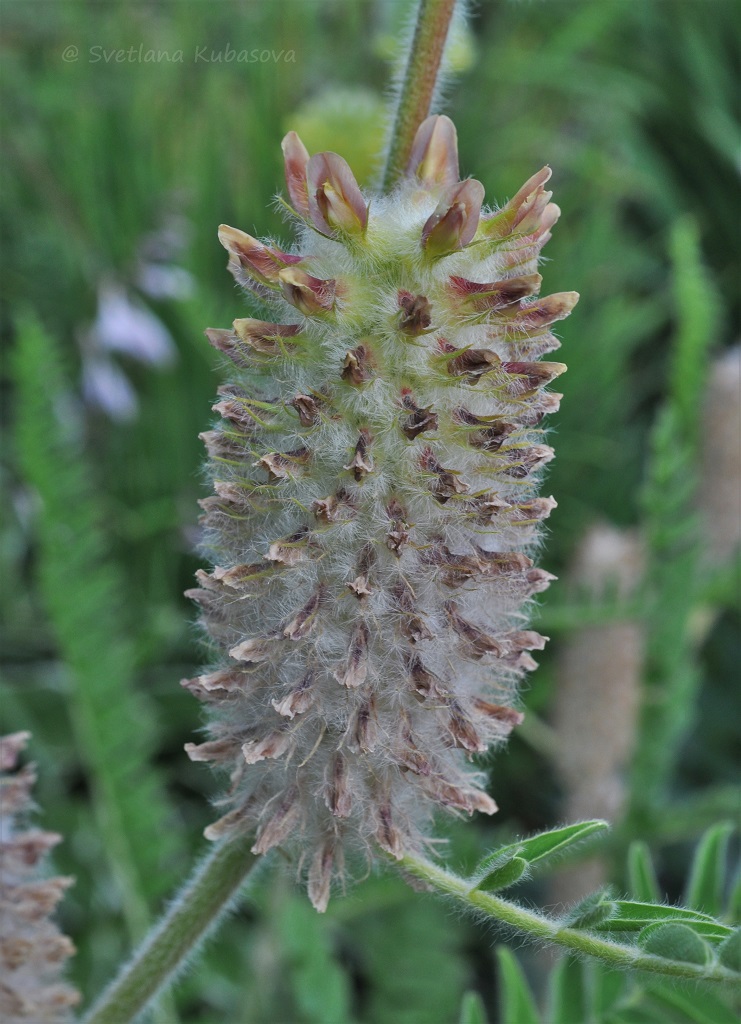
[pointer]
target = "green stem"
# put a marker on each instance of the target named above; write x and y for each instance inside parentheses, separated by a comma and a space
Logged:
(540, 927)
(418, 83)
(215, 882)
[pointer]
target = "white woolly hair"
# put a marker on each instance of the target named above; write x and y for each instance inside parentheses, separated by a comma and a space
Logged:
(367, 612)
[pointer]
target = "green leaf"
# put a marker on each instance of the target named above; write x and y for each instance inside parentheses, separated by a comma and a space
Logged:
(641, 874)
(696, 320)
(85, 594)
(318, 985)
(705, 887)
(632, 916)
(411, 952)
(675, 941)
(506, 874)
(729, 951)
(698, 1007)
(568, 996)
(591, 912)
(472, 1009)
(545, 844)
(517, 1005)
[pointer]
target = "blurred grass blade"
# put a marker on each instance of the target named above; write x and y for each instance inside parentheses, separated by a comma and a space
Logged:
(707, 877)
(473, 1010)
(641, 875)
(517, 1004)
(608, 987)
(568, 993)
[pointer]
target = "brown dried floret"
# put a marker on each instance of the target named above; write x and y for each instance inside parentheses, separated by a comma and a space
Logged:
(355, 669)
(361, 463)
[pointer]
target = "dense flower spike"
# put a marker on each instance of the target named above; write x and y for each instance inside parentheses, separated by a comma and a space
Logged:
(374, 471)
(32, 949)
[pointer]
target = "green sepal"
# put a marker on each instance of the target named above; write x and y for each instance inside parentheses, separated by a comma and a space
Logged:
(729, 951)
(675, 941)
(504, 875)
(591, 912)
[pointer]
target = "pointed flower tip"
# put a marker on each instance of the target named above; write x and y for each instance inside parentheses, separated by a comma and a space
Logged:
(496, 294)
(528, 212)
(564, 303)
(262, 262)
(434, 156)
(296, 159)
(231, 237)
(335, 202)
(453, 224)
(10, 747)
(310, 295)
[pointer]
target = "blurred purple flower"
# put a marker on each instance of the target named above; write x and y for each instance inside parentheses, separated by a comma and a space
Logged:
(122, 325)
(107, 387)
(162, 281)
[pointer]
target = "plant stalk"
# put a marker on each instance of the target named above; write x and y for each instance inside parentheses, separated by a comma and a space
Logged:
(208, 894)
(537, 926)
(418, 83)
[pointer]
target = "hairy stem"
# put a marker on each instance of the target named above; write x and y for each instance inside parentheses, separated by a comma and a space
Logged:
(418, 82)
(540, 927)
(215, 883)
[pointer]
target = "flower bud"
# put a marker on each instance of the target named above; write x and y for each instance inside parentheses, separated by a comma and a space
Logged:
(335, 201)
(296, 159)
(310, 295)
(263, 262)
(529, 211)
(455, 220)
(434, 156)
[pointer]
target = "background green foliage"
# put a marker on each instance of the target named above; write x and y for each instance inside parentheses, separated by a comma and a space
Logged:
(632, 104)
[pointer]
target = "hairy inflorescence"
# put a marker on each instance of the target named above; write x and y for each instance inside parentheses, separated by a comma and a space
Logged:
(375, 473)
